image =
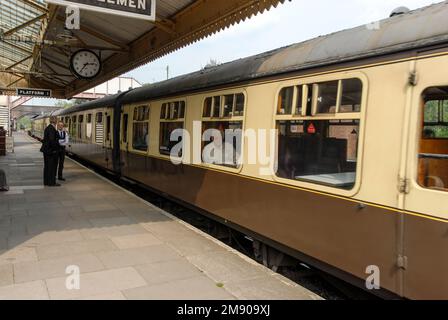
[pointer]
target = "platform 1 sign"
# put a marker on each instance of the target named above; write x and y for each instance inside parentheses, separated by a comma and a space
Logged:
(140, 9)
(39, 93)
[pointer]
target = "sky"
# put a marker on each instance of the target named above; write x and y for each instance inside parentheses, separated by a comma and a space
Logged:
(291, 22)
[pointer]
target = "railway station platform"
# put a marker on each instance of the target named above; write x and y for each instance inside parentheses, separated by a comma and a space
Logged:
(124, 247)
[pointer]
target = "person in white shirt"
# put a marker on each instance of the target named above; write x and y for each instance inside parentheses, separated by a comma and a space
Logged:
(63, 143)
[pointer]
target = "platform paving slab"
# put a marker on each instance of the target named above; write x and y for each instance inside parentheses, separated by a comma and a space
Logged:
(96, 283)
(197, 288)
(6, 275)
(125, 248)
(48, 269)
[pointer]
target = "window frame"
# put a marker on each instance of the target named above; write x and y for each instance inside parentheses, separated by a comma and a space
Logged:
(168, 119)
(233, 118)
(305, 116)
(417, 155)
(132, 111)
(441, 115)
(96, 123)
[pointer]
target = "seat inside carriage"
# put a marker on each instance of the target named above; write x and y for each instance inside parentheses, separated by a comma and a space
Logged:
(433, 153)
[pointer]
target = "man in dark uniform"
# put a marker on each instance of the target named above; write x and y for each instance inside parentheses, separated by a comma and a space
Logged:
(50, 149)
(63, 142)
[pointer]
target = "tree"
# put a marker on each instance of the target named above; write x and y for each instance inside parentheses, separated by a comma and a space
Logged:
(212, 63)
(24, 123)
(64, 104)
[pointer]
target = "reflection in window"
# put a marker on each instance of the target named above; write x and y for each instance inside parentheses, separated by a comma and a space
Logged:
(299, 103)
(433, 153)
(73, 131)
(140, 135)
(89, 126)
(216, 107)
(285, 101)
(227, 150)
(319, 151)
(172, 119)
(166, 130)
(239, 105)
(225, 132)
(80, 125)
(327, 97)
(228, 105)
(351, 95)
(208, 108)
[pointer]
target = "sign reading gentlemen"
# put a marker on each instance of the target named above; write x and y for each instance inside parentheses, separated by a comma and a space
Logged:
(140, 9)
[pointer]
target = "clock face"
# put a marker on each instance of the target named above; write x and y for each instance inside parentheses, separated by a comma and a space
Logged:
(85, 64)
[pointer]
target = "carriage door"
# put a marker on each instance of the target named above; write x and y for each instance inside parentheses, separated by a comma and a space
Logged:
(425, 188)
(124, 143)
(108, 142)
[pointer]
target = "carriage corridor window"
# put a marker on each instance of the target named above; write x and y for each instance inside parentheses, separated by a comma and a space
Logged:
(80, 125)
(433, 149)
(172, 117)
(124, 126)
(223, 117)
(315, 149)
(140, 129)
(73, 127)
(99, 128)
(108, 128)
(89, 126)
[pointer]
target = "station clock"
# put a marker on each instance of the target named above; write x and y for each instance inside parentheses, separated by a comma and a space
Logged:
(85, 64)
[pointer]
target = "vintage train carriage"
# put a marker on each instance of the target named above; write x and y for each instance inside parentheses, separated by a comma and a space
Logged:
(361, 156)
(38, 125)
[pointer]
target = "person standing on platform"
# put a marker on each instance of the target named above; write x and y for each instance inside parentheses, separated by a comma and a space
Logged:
(50, 149)
(63, 142)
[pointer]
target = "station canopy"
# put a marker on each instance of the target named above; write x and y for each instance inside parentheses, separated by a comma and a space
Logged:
(36, 47)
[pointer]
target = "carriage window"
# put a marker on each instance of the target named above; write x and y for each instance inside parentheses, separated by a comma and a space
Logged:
(309, 100)
(89, 126)
(318, 150)
(99, 129)
(285, 101)
(216, 107)
(108, 128)
(299, 103)
(124, 134)
(351, 95)
(140, 138)
(74, 127)
(228, 105)
(207, 108)
(433, 153)
(239, 105)
(163, 111)
(224, 135)
(223, 143)
(327, 97)
(80, 125)
(172, 119)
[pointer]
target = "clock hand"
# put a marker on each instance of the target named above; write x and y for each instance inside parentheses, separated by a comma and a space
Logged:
(85, 65)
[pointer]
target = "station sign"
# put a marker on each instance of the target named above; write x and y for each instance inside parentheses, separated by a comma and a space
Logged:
(38, 93)
(140, 9)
